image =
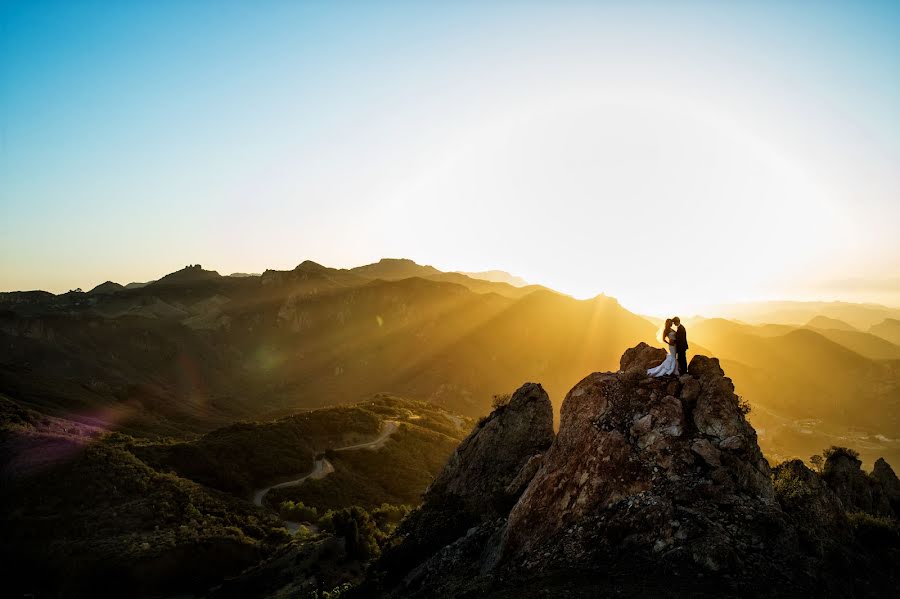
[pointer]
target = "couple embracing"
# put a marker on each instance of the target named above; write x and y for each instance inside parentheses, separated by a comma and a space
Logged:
(676, 362)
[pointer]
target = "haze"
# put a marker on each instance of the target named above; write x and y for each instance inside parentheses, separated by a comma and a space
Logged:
(670, 157)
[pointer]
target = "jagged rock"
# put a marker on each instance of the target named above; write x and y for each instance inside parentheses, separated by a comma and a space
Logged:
(488, 460)
(518, 484)
(623, 467)
(477, 485)
(658, 485)
(857, 490)
(690, 389)
(641, 357)
(884, 474)
(819, 518)
(707, 451)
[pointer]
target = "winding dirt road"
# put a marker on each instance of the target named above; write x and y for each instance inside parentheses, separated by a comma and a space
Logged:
(322, 467)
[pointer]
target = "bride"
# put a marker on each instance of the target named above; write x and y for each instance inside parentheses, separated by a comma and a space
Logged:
(669, 365)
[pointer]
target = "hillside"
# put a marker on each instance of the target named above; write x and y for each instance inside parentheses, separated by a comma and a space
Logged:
(824, 322)
(194, 349)
(497, 276)
(888, 329)
(89, 513)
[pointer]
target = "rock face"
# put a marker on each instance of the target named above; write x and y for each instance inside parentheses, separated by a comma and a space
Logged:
(651, 487)
(817, 513)
(636, 465)
(641, 357)
(481, 481)
(493, 454)
(885, 475)
(858, 491)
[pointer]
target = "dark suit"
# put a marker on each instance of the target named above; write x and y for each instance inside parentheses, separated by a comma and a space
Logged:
(681, 346)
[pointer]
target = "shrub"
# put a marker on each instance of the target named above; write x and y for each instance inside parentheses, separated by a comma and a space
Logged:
(297, 512)
(743, 405)
(818, 462)
(789, 489)
(498, 401)
(875, 531)
(834, 451)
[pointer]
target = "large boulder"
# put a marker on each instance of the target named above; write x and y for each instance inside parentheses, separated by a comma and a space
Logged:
(638, 471)
(641, 357)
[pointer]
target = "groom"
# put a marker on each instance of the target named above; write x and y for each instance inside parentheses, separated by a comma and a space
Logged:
(681, 346)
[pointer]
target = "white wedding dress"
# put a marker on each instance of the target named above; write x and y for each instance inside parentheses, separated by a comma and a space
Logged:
(670, 364)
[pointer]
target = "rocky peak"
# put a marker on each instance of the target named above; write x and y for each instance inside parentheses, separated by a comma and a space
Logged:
(651, 463)
(857, 490)
(664, 472)
(493, 454)
(885, 475)
(481, 481)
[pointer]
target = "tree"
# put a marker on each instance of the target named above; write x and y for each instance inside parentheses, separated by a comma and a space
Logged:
(818, 462)
(361, 536)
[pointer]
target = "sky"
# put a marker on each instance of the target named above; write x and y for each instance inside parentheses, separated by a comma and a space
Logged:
(671, 155)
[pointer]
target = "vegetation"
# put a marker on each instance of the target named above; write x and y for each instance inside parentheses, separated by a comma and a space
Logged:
(245, 456)
(789, 489)
(398, 473)
(875, 531)
(108, 506)
(97, 513)
(817, 462)
(500, 400)
(297, 512)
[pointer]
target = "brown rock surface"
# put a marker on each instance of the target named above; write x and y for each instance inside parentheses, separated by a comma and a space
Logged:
(488, 460)
(652, 487)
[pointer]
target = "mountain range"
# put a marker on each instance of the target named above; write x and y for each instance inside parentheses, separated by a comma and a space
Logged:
(194, 350)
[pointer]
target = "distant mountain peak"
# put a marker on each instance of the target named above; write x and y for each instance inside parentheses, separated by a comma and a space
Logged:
(825, 322)
(310, 266)
(106, 288)
(395, 268)
(191, 273)
(497, 276)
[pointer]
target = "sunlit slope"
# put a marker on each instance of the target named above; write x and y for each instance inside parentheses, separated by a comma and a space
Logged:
(543, 337)
(442, 342)
(888, 329)
(804, 375)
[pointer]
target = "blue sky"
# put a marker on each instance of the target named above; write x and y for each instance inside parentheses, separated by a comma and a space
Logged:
(139, 137)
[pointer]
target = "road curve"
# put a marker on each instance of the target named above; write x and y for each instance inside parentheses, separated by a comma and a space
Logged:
(322, 467)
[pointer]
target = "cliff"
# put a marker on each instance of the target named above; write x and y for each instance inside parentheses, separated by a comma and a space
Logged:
(651, 487)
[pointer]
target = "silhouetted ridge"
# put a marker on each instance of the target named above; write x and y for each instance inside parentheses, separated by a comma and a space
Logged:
(395, 268)
(106, 288)
(189, 274)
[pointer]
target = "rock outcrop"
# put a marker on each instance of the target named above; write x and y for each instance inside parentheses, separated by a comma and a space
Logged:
(817, 513)
(499, 449)
(635, 466)
(652, 486)
(858, 491)
(890, 484)
(481, 481)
